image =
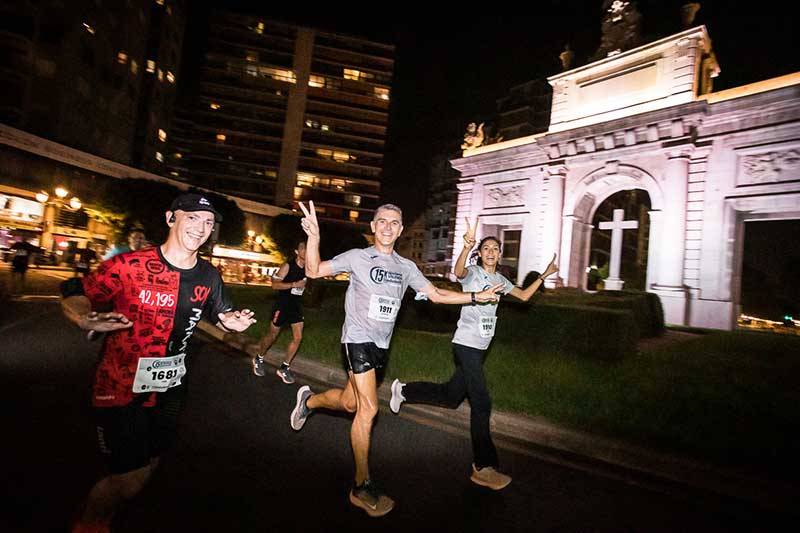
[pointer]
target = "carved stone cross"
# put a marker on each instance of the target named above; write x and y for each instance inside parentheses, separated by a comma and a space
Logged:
(617, 226)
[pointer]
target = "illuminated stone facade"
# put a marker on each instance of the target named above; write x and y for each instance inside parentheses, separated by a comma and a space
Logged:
(645, 119)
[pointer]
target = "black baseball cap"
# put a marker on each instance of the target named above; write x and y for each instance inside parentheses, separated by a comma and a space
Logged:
(195, 202)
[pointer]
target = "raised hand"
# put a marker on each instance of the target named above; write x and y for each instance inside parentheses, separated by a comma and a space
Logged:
(489, 295)
(237, 320)
(309, 222)
(552, 268)
(469, 236)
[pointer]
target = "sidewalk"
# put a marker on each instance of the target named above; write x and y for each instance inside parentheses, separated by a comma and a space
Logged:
(533, 436)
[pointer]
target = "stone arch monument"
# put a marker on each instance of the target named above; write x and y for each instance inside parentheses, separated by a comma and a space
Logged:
(645, 119)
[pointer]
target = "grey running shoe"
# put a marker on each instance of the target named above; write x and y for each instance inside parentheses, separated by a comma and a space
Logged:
(301, 411)
(397, 396)
(372, 499)
(489, 477)
(286, 375)
(258, 366)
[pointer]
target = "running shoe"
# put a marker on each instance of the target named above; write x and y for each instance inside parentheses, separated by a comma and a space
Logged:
(489, 477)
(285, 374)
(258, 366)
(371, 499)
(301, 410)
(397, 396)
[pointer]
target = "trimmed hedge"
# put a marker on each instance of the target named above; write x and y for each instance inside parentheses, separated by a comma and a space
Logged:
(604, 326)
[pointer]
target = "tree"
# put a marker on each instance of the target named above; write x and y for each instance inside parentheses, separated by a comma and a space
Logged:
(144, 202)
(286, 232)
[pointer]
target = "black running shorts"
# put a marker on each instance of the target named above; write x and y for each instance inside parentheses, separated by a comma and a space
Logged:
(360, 358)
(131, 435)
(286, 314)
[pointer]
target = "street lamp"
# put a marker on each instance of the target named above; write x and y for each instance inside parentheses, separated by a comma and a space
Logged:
(61, 192)
(42, 197)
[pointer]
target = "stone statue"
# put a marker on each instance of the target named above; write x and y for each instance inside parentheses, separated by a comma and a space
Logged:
(473, 138)
(621, 28)
(688, 12)
(566, 58)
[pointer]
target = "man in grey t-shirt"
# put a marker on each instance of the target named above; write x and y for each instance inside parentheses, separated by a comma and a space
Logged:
(378, 279)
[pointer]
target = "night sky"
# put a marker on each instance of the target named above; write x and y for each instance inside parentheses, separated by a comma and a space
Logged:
(451, 67)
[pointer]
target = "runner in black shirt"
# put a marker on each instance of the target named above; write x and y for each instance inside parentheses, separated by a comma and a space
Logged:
(289, 282)
(158, 295)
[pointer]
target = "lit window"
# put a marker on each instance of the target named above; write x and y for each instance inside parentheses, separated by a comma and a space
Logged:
(160, 2)
(337, 184)
(324, 127)
(278, 74)
(214, 105)
(134, 66)
(352, 199)
(323, 152)
(341, 157)
(170, 77)
(353, 215)
(382, 93)
(122, 57)
(312, 124)
(160, 75)
(173, 173)
(221, 137)
(160, 157)
(88, 28)
(260, 27)
(162, 135)
(251, 56)
(178, 155)
(298, 193)
(304, 179)
(316, 81)
(151, 66)
(353, 74)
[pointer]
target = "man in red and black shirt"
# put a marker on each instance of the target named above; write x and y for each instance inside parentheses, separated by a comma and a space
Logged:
(157, 296)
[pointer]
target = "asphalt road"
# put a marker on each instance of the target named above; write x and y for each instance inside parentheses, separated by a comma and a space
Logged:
(238, 466)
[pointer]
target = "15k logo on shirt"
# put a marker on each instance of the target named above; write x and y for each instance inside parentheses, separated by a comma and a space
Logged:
(381, 275)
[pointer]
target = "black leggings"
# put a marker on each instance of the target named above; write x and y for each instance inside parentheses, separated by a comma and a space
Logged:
(467, 381)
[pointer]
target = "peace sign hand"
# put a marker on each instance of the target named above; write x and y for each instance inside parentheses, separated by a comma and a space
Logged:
(469, 236)
(309, 222)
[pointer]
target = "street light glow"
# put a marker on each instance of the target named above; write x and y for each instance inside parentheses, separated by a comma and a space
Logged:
(42, 197)
(61, 192)
(75, 203)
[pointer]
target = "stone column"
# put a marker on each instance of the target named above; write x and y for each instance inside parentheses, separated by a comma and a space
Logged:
(672, 238)
(673, 234)
(556, 175)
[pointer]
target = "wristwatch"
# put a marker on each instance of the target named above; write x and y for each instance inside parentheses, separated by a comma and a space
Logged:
(472, 296)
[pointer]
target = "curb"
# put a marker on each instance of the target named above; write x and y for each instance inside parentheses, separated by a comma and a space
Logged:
(534, 436)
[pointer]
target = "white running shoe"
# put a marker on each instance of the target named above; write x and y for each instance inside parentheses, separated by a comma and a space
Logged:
(397, 396)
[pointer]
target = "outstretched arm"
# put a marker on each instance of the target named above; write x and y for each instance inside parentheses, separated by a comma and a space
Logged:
(460, 269)
(236, 320)
(78, 310)
(314, 267)
(444, 296)
(526, 294)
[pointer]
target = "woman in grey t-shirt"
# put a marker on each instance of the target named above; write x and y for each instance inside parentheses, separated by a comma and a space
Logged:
(473, 335)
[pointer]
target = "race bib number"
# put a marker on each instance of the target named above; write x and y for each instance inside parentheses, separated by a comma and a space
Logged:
(298, 291)
(157, 374)
(486, 326)
(383, 308)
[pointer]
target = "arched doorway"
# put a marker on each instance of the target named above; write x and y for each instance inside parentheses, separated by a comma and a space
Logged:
(583, 200)
(632, 263)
